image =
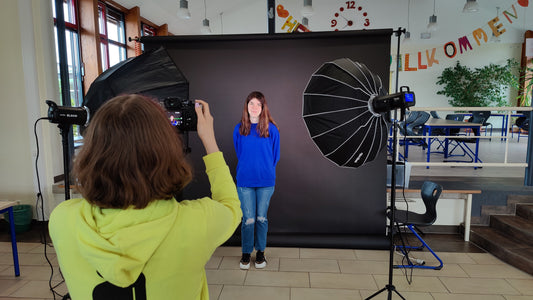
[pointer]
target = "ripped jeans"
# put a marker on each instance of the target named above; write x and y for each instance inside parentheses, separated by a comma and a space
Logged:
(254, 227)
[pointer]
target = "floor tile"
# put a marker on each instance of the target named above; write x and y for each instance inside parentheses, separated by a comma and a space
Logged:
(225, 276)
(214, 290)
(448, 270)
(213, 262)
(320, 294)
(447, 296)
(231, 292)
(282, 252)
(407, 295)
(38, 288)
(327, 253)
(524, 286)
(364, 267)
(342, 281)
(494, 271)
(308, 265)
(479, 286)
(418, 283)
(278, 279)
(382, 255)
(485, 258)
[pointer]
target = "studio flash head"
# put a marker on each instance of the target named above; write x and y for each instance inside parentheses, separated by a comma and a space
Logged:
(402, 100)
(67, 115)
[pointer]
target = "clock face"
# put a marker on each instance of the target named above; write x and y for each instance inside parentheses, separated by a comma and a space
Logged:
(350, 16)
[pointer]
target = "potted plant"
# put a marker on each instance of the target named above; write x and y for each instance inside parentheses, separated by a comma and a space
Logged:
(477, 87)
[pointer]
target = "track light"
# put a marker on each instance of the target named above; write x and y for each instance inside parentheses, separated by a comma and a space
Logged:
(183, 11)
(307, 10)
(471, 6)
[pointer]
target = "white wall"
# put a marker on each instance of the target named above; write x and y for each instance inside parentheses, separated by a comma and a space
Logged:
(28, 77)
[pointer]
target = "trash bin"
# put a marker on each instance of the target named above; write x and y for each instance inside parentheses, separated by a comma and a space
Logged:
(22, 214)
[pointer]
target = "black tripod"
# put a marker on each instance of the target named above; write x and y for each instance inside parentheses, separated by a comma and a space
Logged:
(390, 288)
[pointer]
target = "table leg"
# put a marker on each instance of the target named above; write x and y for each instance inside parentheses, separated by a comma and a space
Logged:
(468, 216)
(13, 241)
(429, 147)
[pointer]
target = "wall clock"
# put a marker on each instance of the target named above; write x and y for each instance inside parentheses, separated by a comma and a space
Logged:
(350, 16)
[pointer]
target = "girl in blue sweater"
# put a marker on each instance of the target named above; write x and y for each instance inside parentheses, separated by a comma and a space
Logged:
(256, 140)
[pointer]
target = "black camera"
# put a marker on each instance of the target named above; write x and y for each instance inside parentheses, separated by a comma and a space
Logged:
(181, 113)
(67, 115)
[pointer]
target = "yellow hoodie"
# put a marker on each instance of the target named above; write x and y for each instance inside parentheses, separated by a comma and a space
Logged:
(158, 252)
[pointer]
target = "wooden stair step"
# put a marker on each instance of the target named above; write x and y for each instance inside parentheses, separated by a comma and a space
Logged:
(513, 252)
(525, 211)
(514, 226)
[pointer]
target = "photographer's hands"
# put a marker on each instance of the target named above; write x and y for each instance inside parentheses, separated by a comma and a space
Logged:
(205, 128)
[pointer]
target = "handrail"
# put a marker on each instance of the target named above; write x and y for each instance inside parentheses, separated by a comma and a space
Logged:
(505, 163)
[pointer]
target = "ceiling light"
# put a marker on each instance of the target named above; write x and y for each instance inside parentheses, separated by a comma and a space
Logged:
(183, 11)
(407, 37)
(407, 34)
(307, 10)
(471, 6)
(205, 27)
(432, 25)
(205, 23)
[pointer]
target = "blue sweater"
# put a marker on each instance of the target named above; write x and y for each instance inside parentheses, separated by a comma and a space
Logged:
(257, 157)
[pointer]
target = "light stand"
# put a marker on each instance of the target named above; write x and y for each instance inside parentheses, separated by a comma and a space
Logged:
(65, 117)
(390, 288)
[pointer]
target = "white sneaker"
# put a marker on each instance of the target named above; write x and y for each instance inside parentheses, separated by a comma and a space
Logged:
(260, 260)
(244, 264)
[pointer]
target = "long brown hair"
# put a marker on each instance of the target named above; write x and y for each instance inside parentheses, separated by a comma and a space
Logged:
(264, 118)
(131, 155)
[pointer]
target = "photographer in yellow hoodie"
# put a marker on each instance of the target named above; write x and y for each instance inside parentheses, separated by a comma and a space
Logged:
(128, 238)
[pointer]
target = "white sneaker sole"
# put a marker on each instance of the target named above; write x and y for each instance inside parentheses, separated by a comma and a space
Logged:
(244, 266)
(261, 265)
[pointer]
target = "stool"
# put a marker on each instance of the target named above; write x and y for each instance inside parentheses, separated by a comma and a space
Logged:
(7, 206)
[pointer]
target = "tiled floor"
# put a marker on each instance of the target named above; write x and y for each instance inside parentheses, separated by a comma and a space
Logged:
(302, 273)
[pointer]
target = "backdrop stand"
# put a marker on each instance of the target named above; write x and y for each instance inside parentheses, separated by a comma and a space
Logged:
(390, 288)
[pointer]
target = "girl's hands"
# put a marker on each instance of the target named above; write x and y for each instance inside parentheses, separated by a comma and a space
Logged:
(205, 126)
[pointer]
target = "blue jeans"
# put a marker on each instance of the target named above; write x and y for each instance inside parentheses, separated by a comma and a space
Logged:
(254, 226)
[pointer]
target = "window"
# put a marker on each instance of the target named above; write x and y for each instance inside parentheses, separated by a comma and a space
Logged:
(73, 55)
(146, 30)
(112, 35)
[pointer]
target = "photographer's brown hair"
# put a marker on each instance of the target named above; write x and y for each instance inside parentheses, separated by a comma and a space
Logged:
(131, 155)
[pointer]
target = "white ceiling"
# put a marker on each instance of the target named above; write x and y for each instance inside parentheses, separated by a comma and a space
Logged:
(250, 16)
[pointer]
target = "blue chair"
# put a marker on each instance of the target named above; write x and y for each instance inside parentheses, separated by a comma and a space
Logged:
(482, 117)
(430, 193)
(523, 124)
(413, 126)
(7, 206)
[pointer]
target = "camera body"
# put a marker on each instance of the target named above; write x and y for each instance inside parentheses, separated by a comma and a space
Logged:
(181, 113)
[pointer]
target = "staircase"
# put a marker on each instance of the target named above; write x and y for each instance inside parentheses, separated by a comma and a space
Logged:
(509, 237)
